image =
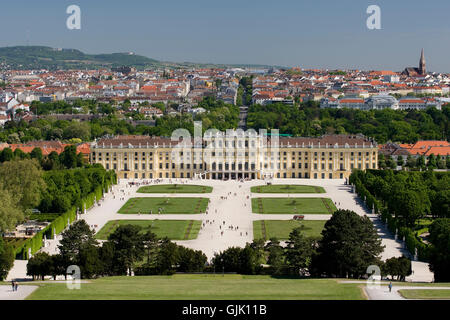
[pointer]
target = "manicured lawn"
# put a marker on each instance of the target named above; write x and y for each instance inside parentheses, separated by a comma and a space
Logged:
(287, 188)
(293, 205)
(173, 229)
(266, 229)
(425, 294)
(175, 188)
(199, 287)
(168, 204)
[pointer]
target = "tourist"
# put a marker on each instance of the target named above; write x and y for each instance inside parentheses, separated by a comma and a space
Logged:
(16, 285)
(390, 286)
(12, 285)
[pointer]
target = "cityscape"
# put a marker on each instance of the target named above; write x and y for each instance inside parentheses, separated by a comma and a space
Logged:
(125, 177)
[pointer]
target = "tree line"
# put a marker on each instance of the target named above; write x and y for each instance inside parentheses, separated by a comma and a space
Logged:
(128, 250)
(308, 119)
(131, 249)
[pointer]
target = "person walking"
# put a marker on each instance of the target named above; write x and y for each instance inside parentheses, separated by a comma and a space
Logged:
(12, 285)
(390, 286)
(16, 285)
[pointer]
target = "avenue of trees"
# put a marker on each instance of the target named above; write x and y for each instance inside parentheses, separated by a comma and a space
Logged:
(409, 202)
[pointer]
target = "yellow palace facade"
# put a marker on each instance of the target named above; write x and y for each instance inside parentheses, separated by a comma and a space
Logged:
(235, 156)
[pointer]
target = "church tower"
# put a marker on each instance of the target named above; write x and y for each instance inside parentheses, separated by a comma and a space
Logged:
(422, 64)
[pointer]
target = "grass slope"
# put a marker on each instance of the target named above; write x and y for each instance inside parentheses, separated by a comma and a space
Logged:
(169, 205)
(175, 188)
(207, 287)
(173, 229)
(293, 205)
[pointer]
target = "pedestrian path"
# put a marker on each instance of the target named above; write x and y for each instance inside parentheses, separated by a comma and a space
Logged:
(6, 292)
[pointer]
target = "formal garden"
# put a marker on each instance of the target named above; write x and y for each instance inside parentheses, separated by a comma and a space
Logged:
(172, 229)
(165, 205)
(286, 188)
(175, 188)
(293, 205)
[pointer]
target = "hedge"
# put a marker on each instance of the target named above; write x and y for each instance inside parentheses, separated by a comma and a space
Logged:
(59, 224)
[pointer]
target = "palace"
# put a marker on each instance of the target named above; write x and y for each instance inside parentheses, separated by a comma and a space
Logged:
(235, 156)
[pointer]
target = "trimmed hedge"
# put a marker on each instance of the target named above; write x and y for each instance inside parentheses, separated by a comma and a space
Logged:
(60, 224)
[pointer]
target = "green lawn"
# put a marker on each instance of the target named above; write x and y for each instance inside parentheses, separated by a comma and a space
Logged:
(173, 229)
(266, 229)
(175, 188)
(287, 188)
(293, 205)
(168, 204)
(199, 287)
(425, 294)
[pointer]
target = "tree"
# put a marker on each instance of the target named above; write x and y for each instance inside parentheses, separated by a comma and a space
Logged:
(167, 257)
(128, 245)
(6, 259)
(348, 246)
(248, 261)
(79, 130)
(420, 162)
(10, 213)
(6, 155)
(89, 261)
(78, 236)
(69, 157)
(408, 205)
(36, 153)
(440, 206)
(432, 162)
(299, 251)
(40, 265)
(23, 179)
(400, 161)
(410, 162)
(191, 260)
(440, 249)
(397, 267)
(276, 256)
(228, 260)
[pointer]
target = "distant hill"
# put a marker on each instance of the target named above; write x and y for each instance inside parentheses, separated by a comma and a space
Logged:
(40, 57)
(35, 57)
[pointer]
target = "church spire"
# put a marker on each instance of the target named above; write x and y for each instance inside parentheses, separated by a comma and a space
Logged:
(422, 64)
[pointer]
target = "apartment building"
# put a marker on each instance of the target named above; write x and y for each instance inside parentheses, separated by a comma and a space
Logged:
(236, 156)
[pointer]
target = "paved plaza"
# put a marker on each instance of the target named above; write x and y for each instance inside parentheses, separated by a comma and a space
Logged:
(230, 206)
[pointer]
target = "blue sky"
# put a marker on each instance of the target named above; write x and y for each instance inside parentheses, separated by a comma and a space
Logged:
(304, 33)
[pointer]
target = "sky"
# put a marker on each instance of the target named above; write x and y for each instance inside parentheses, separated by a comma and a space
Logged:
(303, 33)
